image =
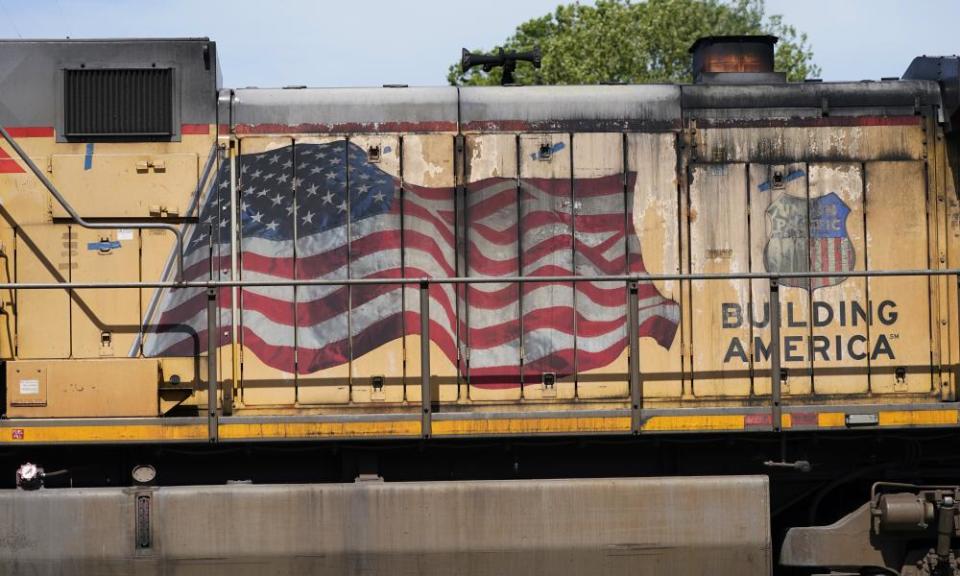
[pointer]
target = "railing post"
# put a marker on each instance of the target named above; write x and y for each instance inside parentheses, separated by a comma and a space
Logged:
(776, 409)
(633, 335)
(426, 396)
(212, 341)
(956, 379)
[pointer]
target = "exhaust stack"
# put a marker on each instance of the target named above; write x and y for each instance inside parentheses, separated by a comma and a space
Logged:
(735, 60)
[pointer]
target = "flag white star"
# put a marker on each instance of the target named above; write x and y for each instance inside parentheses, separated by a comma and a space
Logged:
(256, 174)
(272, 226)
(316, 170)
(257, 217)
(287, 164)
(342, 207)
(290, 210)
(331, 175)
(277, 200)
(312, 190)
(308, 218)
(378, 196)
(263, 193)
(362, 189)
(328, 197)
(283, 178)
(275, 158)
(335, 160)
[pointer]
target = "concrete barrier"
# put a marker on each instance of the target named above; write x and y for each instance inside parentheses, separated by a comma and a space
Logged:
(715, 525)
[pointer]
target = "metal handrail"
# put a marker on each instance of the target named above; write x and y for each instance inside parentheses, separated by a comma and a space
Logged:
(192, 205)
(428, 404)
(75, 216)
(478, 280)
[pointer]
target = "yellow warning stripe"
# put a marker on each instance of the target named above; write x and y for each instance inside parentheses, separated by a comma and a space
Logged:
(531, 425)
(831, 420)
(894, 418)
(27, 433)
(319, 429)
(109, 433)
(918, 417)
(695, 423)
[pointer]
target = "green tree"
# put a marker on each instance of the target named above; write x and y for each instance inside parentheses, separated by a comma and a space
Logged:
(620, 41)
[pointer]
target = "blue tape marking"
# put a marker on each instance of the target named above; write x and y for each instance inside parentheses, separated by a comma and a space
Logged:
(553, 150)
(104, 246)
(386, 149)
(791, 176)
(88, 158)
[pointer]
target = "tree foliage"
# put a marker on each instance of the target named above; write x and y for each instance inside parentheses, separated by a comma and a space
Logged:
(620, 41)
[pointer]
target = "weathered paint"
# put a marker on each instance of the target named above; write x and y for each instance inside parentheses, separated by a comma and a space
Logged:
(719, 243)
(841, 227)
(897, 237)
(327, 385)
(306, 430)
(546, 425)
(656, 204)
(263, 384)
(32, 434)
(779, 241)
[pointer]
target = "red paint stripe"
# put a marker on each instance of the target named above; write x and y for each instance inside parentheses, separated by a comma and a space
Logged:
(804, 419)
(494, 203)
(347, 127)
(824, 262)
(571, 125)
(8, 165)
(30, 131)
(828, 122)
(195, 129)
(757, 419)
(837, 254)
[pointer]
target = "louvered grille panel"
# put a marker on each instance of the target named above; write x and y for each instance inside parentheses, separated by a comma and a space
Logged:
(118, 103)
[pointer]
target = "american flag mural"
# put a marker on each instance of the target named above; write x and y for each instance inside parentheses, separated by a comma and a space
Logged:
(326, 211)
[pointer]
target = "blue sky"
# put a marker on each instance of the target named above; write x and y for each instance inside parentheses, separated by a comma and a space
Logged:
(372, 42)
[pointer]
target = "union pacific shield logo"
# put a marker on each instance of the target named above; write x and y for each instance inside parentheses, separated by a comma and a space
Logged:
(820, 246)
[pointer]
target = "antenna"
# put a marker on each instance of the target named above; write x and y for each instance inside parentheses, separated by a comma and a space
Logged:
(507, 60)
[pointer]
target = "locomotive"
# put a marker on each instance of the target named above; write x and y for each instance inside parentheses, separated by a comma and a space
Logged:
(618, 328)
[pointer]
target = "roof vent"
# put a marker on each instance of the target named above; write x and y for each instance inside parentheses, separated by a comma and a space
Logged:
(735, 60)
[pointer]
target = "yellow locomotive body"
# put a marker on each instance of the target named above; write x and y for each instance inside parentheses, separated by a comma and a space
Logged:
(694, 205)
